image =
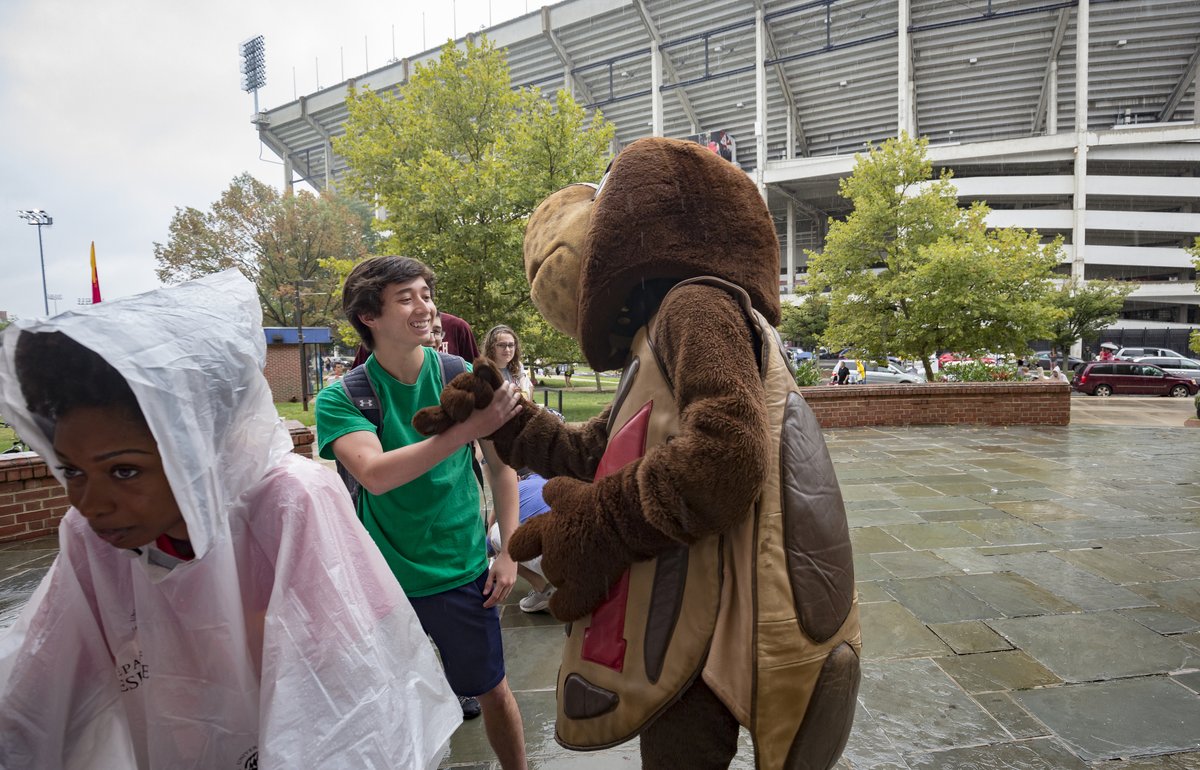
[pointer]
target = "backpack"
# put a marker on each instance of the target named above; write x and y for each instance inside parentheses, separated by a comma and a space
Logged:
(362, 394)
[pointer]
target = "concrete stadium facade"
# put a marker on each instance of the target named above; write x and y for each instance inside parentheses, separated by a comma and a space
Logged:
(1078, 118)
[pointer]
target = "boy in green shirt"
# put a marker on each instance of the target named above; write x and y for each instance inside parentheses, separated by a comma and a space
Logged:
(419, 500)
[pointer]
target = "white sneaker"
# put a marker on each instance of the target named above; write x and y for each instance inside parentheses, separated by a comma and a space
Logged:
(537, 601)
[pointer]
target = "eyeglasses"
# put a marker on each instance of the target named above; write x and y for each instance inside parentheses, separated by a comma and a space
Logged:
(506, 345)
(438, 333)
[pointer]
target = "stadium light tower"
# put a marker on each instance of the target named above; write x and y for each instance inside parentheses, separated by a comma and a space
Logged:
(254, 67)
(40, 219)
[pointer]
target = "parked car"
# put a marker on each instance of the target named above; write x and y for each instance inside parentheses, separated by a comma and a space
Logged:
(1042, 358)
(1187, 368)
(798, 354)
(879, 374)
(1104, 378)
(1129, 354)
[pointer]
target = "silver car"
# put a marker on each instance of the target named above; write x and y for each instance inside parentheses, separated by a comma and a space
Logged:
(880, 374)
(1179, 366)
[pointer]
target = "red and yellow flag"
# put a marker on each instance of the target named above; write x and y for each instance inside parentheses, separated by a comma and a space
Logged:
(95, 277)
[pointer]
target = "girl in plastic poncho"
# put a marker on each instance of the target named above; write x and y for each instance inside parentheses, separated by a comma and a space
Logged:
(215, 602)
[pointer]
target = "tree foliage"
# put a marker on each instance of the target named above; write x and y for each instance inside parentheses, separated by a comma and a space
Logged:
(1085, 310)
(458, 159)
(911, 273)
(277, 240)
(803, 324)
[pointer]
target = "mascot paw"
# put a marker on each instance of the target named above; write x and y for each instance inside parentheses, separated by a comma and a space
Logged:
(572, 601)
(579, 556)
(461, 396)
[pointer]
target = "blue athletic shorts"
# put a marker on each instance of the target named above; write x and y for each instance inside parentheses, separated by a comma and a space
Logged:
(467, 636)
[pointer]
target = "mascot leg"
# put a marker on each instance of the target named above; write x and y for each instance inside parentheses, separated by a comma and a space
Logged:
(696, 732)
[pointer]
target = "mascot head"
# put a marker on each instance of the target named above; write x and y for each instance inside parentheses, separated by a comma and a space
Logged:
(600, 259)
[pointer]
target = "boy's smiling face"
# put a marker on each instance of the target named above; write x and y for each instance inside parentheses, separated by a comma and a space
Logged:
(406, 314)
(115, 477)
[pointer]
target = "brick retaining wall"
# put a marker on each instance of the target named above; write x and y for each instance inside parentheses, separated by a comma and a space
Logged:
(972, 403)
(32, 502)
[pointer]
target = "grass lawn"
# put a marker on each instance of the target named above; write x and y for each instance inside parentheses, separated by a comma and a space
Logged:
(7, 436)
(581, 401)
(291, 411)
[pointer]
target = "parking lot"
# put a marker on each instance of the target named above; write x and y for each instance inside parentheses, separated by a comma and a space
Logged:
(1131, 410)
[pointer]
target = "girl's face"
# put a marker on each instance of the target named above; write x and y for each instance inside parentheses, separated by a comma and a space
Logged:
(115, 477)
(505, 347)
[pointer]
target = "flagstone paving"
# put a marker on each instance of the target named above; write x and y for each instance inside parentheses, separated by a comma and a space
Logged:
(1030, 599)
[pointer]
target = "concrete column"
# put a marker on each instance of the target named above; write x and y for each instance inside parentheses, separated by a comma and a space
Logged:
(568, 81)
(791, 246)
(328, 165)
(791, 134)
(288, 172)
(656, 99)
(1052, 100)
(760, 99)
(1079, 198)
(904, 90)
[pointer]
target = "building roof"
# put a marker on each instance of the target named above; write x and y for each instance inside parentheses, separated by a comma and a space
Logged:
(979, 70)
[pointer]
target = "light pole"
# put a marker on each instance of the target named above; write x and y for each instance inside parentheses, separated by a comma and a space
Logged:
(55, 298)
(40, 219)
(303, 283)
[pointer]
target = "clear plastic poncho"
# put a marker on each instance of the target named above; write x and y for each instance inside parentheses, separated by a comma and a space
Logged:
(285, 643)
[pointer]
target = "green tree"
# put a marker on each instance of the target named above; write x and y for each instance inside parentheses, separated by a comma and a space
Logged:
(1086, 311)
(279, 241)
(458, 159)
(803, 324)
(911, 273)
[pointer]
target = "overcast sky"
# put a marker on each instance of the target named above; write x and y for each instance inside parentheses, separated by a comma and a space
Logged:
(118, 111)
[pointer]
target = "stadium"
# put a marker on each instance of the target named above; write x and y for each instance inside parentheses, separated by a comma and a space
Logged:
(1079, 118)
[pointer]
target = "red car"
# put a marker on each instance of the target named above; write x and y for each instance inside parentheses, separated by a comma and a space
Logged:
(1104, 378)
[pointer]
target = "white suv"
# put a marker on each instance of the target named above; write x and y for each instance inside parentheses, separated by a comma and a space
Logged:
(1129, 354)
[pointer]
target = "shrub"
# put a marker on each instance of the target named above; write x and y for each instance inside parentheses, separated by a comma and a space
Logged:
(808, 373)
(977, 371)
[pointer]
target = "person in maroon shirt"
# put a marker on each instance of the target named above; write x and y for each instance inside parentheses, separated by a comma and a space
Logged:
(459, 339)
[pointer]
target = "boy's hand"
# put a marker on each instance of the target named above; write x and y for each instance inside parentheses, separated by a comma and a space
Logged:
(501, 578)
(505, 405)
(463, 395)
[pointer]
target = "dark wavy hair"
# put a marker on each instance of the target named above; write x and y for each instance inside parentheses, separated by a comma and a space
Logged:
(363, 292)
(58, 375)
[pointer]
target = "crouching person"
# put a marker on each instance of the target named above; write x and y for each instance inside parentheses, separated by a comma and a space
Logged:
(215, 603)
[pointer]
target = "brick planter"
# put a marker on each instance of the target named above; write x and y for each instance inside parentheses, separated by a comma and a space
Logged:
(32, 502)
(968, 403)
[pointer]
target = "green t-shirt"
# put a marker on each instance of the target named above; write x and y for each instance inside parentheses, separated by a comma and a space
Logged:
(429, 529)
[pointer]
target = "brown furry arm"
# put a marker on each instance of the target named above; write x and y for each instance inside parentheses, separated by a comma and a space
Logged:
(540, 441)
(707, 477)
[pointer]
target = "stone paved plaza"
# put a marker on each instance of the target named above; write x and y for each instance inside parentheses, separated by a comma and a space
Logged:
(1030, 599)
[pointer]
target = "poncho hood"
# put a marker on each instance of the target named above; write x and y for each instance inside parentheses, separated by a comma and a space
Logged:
(193, 354)
(669, 210)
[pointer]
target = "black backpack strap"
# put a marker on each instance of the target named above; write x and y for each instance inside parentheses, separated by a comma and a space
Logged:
(451, 366)
(361, 393)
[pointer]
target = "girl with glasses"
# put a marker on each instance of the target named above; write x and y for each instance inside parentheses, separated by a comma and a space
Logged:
(502, 346)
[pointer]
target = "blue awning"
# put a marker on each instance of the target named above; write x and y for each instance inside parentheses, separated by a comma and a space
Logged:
(286, 335)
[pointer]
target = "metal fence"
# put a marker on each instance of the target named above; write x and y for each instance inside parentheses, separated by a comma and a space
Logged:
(1172, 339)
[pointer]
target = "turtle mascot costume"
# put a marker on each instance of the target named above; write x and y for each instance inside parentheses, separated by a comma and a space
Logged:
(696, 534)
